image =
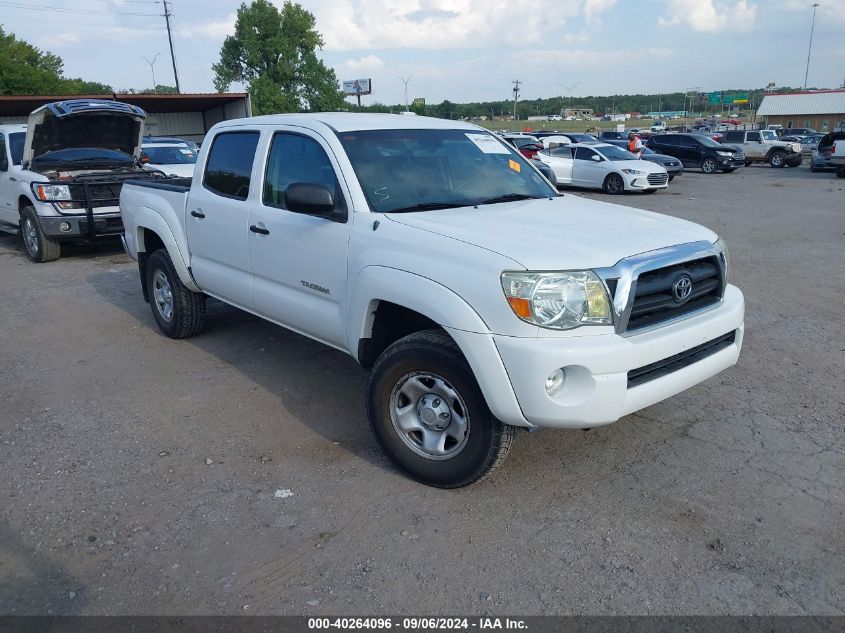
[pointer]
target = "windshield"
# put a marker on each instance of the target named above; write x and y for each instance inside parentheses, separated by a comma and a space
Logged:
(176, 155)
(582, 138)
(416, 170)
(768, 135)
(16, 141)
(611, 152)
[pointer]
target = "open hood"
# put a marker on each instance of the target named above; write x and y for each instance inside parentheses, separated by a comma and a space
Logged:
(89, 123)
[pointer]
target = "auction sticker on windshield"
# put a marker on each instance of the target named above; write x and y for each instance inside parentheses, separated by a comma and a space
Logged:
(488, 144)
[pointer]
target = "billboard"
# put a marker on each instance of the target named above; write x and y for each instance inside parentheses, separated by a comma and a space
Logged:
(357, 87)
(419, 102)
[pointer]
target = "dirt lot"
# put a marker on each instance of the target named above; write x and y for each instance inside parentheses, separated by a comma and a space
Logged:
(139, 474)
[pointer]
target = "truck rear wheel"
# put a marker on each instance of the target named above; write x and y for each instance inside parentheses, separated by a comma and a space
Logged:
(179, 312)
(429, 416)
(37, 245)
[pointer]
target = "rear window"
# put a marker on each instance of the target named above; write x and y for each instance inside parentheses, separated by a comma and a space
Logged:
(229, 167)
(735, 137)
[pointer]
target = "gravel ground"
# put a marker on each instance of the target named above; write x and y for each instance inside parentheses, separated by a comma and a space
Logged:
(234, 472)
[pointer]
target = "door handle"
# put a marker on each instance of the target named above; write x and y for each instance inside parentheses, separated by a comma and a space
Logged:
(198, 214)
(12, 179)
(259, 230)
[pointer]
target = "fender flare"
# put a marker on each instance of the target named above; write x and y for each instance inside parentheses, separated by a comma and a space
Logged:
(442, 305)
(146, 218)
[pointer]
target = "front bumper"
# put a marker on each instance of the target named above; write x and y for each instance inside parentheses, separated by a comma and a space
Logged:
(76, 227)
(641, 183)
(728, 162)
(596, 389)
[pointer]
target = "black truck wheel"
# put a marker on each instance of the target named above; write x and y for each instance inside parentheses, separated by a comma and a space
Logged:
(179, 312)
(37, 245)
(777, 159)
(429, 416)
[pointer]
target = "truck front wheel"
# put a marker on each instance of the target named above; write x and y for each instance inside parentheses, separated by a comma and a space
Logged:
(777, 159)
(38, 246)
(179, 312)
(429, 416)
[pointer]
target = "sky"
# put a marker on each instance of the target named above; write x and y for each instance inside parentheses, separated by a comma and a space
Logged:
(466, 50)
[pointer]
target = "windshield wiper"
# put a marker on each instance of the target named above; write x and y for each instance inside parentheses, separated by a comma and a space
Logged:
(510, 197)
(428, 206)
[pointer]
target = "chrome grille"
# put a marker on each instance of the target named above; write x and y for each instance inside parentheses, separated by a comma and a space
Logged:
(658, 179)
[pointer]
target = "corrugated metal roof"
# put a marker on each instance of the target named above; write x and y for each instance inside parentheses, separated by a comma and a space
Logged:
(830, 102)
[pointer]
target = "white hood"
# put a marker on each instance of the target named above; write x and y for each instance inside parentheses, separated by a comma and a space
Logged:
(559, 234)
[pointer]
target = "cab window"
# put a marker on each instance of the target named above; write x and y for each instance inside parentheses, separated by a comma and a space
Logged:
(229, 167)
(584, 153)
(753, 136)
(295, 158)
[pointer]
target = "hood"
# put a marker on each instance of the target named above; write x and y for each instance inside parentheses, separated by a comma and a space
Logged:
(89, 123)
(638, 164)
(563, 233)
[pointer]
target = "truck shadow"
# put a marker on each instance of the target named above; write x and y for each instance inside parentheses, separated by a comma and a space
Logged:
(101, 248)
(321, 387)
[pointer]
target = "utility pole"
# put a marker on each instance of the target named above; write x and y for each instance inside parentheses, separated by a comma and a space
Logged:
(810, 49)
(516, 83)
(569, 89)
(405, 81)
(152, 68)
(167, 15)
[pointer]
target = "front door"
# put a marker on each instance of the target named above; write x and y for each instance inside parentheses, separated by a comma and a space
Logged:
(753, 147)
(217, 217)
(8, 199)
(298, 260)
(588, 170)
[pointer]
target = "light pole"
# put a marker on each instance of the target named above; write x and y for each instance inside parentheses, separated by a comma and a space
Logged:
(152, 68)
(569, 89)
(405, 81)
(810, 49)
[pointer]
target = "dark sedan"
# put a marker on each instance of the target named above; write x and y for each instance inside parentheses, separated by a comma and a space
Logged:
(671, 164)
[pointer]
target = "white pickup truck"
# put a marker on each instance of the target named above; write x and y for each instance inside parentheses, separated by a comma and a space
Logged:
(61, 173)
(431, 251)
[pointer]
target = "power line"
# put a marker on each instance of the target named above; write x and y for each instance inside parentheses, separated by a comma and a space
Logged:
(49, 9)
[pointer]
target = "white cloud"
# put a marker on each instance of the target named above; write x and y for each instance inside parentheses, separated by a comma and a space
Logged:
(366, 63)
(709, 17)
(214, 29)
(58, 40)
(594, 8)
(576, 38)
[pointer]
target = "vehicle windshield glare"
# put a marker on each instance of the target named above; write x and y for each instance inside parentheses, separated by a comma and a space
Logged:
(708, 142)
(419, 170)
(611, 152)
(16, 141)
(768, 135)
(169, 155)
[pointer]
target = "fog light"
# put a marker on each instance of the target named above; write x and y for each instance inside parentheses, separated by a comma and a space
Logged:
(554, 382)
(64, 226)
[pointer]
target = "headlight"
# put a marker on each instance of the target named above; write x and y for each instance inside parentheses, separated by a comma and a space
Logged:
(51, 193)
(722, 248)
(796, 147)
(724, 153)
(558, 301)
(633, 172)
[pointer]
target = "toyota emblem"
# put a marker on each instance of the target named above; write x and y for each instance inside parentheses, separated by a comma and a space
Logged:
(682, 288)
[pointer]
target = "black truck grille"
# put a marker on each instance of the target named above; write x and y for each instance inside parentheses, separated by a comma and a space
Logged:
(658, 298)
(102, 226)
(661, 368)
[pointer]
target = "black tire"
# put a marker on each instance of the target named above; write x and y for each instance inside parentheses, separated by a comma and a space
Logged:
(671, 178)
(709, 166)
(186, 316)
(425, 357)
(748, 163)
(37, 245)
(613, 184)
(777, 159)
(840, 172)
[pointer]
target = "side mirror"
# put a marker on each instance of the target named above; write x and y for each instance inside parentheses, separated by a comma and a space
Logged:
(596, 158)
(310, 198)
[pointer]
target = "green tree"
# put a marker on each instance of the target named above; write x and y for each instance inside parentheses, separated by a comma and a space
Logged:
(27, 70)
(274, 52)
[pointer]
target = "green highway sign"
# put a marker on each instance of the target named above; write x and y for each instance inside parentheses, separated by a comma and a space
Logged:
(738, 98)
(714, 98)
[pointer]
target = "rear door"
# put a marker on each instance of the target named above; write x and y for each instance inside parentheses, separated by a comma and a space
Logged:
(299, 260)
(560, 160)
(689, 150)
(217, 218)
